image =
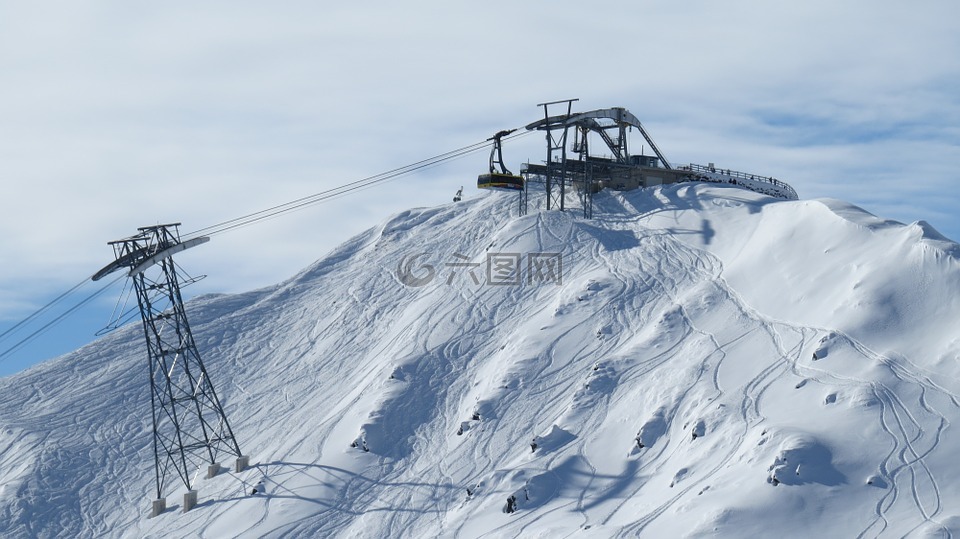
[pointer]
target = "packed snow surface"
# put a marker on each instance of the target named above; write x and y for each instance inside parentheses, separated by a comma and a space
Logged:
(694, 361)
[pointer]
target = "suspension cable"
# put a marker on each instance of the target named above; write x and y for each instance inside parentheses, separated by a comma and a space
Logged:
(238, 222)
(29, 338)
(43, 309)
(334, 192)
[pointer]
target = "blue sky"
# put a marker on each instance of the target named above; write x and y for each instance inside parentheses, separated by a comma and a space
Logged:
(114, 116)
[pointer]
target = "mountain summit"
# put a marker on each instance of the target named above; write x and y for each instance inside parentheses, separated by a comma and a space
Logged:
(695, 360)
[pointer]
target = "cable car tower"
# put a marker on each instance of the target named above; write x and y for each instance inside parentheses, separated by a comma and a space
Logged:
(190, 427)
(574, 167)
(556, 164)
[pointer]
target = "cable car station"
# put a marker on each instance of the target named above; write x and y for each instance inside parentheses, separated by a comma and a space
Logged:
(570, 167)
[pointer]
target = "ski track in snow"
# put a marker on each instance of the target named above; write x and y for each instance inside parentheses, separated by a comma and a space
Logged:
(450, 385)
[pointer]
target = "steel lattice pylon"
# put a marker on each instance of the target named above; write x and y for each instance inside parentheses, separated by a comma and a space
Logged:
(190, 428)
(556, 157)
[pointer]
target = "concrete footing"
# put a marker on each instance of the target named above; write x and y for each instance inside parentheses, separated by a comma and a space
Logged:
(243, 462)
(159, 506)
(213, 470)
(189, 500)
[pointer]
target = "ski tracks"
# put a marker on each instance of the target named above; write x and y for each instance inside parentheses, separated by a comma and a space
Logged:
(912, 442)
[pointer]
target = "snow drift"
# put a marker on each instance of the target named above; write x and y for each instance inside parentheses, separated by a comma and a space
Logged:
(695, 360)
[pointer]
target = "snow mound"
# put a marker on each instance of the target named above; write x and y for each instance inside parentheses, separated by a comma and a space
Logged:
(697, 359)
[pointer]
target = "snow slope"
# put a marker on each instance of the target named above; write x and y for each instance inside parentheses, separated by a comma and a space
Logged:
(714, 362)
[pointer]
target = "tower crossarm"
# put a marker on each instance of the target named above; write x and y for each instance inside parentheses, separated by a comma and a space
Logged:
(590, 119)
(150, 246)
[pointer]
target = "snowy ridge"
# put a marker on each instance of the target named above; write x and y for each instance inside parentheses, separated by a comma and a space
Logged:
(714, 362)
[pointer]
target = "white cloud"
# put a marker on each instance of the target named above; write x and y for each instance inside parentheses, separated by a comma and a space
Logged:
(113, 116)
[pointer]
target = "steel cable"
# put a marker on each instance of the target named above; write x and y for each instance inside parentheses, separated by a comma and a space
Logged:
(239, 222)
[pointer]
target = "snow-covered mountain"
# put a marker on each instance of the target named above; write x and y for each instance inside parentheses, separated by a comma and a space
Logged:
(695, 360)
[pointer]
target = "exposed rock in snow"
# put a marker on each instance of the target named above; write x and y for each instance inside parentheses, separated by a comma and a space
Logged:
(710, 303)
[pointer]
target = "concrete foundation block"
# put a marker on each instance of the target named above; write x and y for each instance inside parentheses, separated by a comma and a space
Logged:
(213, 470)
(159, 506)
(243, 462)
(189, 500)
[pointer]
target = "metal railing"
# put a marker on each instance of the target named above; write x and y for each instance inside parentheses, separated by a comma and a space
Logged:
(787, 190)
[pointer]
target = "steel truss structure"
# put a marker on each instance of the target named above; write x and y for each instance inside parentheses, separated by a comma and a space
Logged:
(190, 428)
(586, 173)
